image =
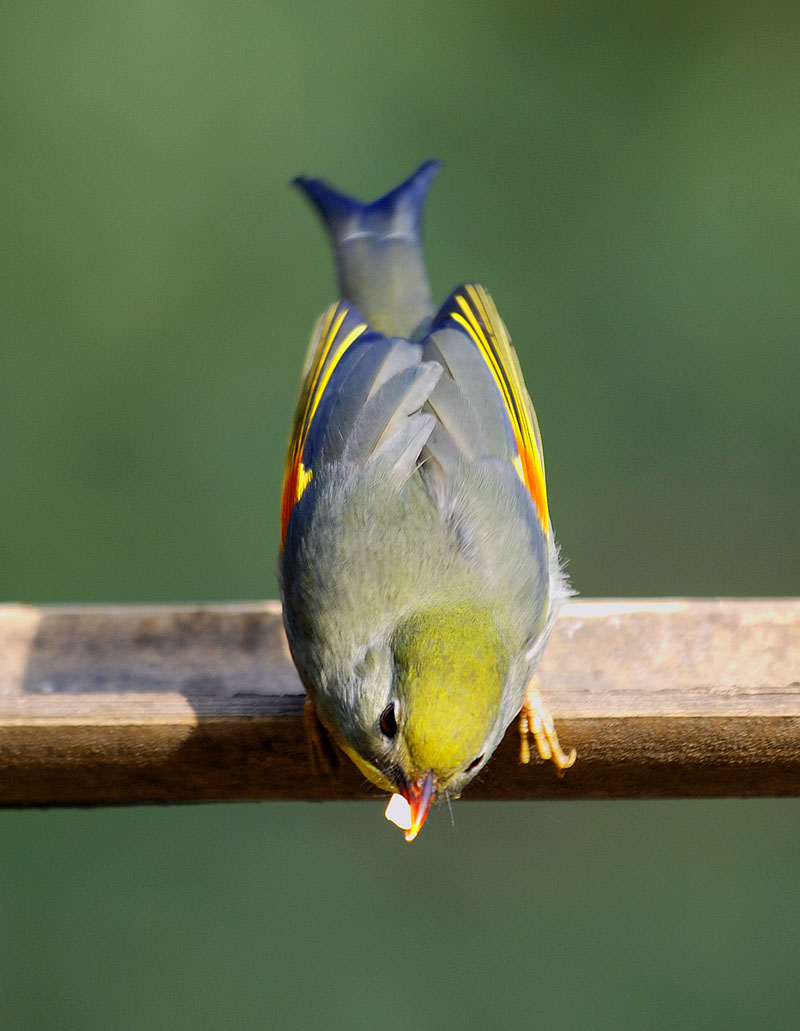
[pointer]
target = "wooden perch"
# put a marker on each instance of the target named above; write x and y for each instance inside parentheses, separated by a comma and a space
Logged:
(179, 703)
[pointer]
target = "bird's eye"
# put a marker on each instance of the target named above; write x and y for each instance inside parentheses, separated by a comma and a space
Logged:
(388, 721)
(474, 764)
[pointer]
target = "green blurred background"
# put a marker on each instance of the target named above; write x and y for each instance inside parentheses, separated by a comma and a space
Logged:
(624, 179)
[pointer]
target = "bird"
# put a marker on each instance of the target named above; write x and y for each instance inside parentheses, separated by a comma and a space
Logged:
(419, 574)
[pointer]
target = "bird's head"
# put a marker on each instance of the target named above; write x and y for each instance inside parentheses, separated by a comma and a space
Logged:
(430, 715)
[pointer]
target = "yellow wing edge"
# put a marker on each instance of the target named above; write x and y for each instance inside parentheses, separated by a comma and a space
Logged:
(479, 317)
(326, 349)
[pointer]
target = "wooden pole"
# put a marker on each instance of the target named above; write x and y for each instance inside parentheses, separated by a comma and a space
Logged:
(131, 704)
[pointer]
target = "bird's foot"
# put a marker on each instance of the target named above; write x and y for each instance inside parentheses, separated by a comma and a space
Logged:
(535, 719)
(322, 752)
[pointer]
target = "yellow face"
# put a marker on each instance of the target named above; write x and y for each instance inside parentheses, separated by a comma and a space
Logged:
(452, 667)
(429, 702)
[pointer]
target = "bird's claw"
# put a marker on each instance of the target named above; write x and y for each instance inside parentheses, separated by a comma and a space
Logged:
(535, 720)
(322, 752)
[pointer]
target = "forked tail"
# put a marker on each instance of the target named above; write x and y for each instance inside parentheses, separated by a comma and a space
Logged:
(378, 251)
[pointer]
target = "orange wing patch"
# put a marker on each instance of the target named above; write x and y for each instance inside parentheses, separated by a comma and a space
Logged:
(336, 329)
(479, 317)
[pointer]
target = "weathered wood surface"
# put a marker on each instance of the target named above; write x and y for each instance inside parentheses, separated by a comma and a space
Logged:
(178, 703)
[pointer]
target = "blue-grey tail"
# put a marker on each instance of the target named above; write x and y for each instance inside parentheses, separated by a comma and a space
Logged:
(378, 251)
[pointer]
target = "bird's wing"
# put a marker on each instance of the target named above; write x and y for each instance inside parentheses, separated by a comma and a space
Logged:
(482, 406)
(360, 398)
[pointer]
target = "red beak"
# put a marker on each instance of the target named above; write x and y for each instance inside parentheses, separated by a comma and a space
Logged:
(419, 797)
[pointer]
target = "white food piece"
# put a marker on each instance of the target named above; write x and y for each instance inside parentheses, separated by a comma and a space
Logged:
(398, 812)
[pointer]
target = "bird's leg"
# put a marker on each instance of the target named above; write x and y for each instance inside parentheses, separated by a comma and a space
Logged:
(322, 751)
(535, 719)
